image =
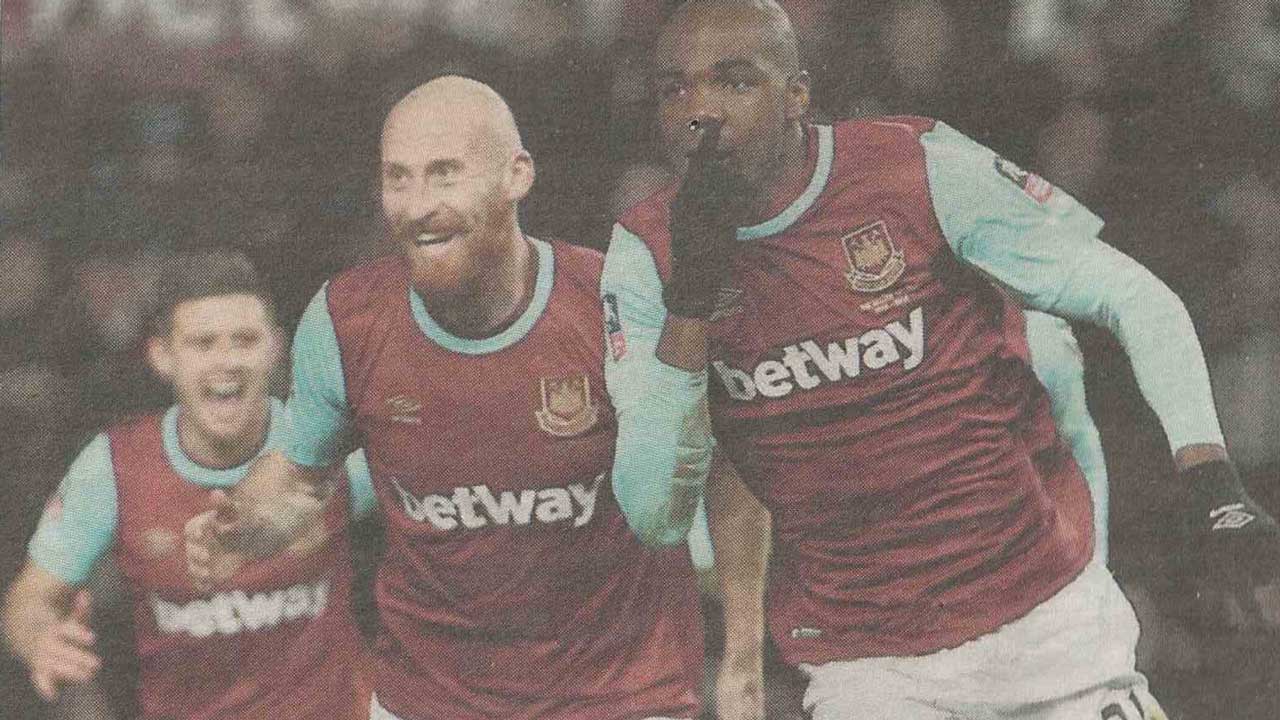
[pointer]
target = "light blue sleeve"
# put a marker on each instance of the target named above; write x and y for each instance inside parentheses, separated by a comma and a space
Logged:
(1056, 359)
(1040, 244)
(363, 500)
(664, 437)
(317, 412)
(700, 548)
(79, 522)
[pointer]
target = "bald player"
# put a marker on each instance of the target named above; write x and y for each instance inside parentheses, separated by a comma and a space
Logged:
(855, 289)
(470, 368)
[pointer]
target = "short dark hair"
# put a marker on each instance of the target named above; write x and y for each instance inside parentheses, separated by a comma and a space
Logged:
(195, 274)
(783, 46)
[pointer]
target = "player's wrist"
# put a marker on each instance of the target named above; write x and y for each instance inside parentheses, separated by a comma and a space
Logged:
(1218, 503)
(689, 293)
(1189, 456)
(1212, 484)
(744, 656)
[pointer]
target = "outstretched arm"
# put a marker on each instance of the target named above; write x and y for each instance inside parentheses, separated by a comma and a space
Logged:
(46, 625)
(46, 618)
(740, 535)
(263, 514)
(1038, 243)
(285, 491)
(1041, 245)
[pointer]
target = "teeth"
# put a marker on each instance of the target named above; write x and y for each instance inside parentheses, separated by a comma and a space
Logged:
(430, 238)
(225, 389)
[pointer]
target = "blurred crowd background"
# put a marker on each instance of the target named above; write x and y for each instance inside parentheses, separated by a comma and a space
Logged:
(133, 128)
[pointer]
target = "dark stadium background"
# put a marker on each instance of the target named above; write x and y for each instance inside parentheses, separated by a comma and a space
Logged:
(135, 128)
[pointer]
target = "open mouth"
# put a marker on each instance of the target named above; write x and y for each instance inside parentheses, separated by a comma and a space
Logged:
(225, 392)
(431, 239)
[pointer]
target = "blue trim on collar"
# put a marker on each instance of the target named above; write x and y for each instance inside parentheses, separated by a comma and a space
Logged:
(193, 472)
(821, 174)
(514, 333)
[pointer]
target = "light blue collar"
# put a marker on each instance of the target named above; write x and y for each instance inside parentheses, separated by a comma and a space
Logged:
(821, 173)
(193, 472)
(506, 338)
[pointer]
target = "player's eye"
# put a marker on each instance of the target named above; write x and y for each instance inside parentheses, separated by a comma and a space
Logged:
(202, 342)
(395, 176)
(672, 89)
(737, 84)
(244, 340)
(444, 173)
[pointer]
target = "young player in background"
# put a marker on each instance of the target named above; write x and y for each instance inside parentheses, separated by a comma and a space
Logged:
(277, 640)
(853, 289)
(470, 367)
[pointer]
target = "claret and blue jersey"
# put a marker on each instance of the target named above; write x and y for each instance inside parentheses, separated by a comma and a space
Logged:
(871, 378)
(206, 654)
(511, 585)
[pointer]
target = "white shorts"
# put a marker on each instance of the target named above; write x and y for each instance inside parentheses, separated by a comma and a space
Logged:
(1070, 658)
(377, 712)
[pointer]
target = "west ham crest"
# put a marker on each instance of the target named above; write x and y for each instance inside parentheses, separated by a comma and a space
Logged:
(567, 410)
(875, 263)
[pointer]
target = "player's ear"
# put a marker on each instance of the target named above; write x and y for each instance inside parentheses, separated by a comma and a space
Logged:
(797, 95)
(277, 343)
(160, 356)
(522, 174)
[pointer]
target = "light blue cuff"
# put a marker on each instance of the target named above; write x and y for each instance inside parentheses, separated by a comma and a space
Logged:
(364, 501)
(700, 548)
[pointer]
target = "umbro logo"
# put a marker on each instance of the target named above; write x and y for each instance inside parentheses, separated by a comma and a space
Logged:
(728, 303)
(1231, 517)
(404, 409)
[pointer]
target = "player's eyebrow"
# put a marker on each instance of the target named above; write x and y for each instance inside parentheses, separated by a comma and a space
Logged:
(725, 66)
(721, 68)
(433, 168)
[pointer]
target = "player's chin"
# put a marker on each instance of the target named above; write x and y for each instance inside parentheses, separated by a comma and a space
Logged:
(230, 420)
(443, 269)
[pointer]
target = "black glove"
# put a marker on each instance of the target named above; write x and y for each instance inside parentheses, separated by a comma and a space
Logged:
(1230, 542)
(703, 228)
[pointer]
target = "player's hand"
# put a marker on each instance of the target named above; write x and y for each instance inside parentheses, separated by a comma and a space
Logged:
(1233, 546)
(740, 687)
(209, 560)
(704, 219)
(63, 653)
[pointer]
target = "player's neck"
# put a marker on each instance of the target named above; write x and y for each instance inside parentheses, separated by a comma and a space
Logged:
(789, 178)
(497, 299)
(211, 453)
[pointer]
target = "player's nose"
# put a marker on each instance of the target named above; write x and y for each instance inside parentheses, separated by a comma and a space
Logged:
(705, 103)
(423, 203)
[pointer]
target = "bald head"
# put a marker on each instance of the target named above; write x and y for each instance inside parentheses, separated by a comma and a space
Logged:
(766, 19)
(456, 105)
